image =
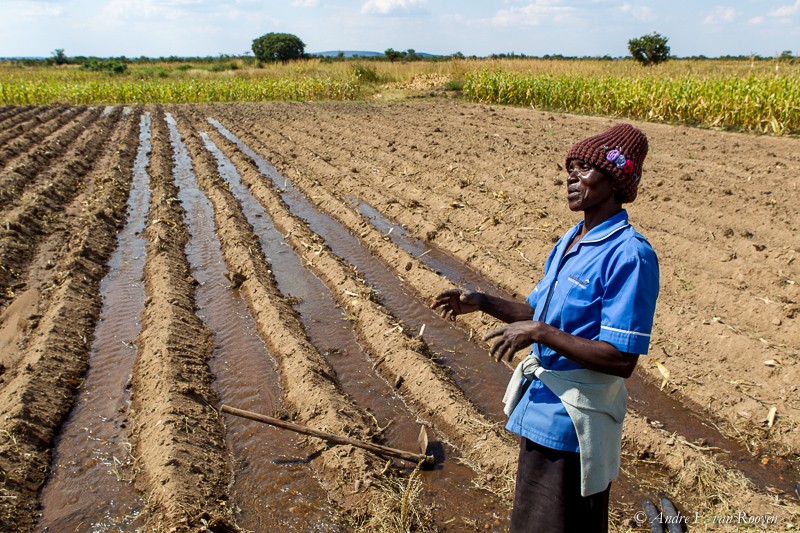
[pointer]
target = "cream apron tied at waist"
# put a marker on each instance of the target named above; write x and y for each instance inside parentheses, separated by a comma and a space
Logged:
(596, 404)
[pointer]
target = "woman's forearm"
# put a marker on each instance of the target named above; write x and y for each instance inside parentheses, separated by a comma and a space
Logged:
(507, 311)
(599, 356)
(595, 355)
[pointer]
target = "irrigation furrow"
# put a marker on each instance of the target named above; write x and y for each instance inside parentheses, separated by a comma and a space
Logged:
(467, 251)
(330, 331)
(9, 113)
(24, 226)
(402, 360)
(271, 487)
(21, 123)
(472, 369)
(21, 166)
(413, 162)
(310, 391)
(10, 110)
(445, 213)
(177, 433)
(39, 394)
(37, 277)
(92, 469)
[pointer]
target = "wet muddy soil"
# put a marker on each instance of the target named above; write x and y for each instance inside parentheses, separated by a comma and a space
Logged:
(280, 258)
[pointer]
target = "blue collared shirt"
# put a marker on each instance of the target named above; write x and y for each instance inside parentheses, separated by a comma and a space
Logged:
(604, 289)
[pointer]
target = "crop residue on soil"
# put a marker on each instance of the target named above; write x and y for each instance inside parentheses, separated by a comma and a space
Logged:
(379, 207)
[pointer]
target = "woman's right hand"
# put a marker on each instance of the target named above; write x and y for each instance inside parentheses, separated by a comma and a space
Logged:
(454, 302)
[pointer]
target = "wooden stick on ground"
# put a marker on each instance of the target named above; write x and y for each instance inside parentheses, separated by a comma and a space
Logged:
(374, 448)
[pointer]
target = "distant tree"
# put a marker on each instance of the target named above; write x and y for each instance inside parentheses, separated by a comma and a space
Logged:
(649, 49)
(411, 55)
(278, 47)
(786, 56)
(457, 55)
(59, 57)
(393, 55)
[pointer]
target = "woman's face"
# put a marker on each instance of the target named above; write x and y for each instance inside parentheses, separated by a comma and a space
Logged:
(587, 187)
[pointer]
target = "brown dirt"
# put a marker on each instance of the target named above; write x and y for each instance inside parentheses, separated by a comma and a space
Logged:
(22, 122)
(36, 393)
(23, 166)
(311, 394)
(483, 183)
(397, 357)
(177, 433)
(48, 185)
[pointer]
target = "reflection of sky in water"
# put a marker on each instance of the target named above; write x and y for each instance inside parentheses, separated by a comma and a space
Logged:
(403, 304)
(246, 375)
(115, 523)
(92, 458)
(437, 260)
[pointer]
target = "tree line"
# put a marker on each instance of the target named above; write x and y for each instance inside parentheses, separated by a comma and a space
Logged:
(648, 50)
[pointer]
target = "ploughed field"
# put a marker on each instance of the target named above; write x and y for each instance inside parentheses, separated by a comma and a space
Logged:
(158, 262)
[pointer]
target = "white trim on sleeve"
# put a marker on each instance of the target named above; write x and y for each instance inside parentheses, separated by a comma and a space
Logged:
(625, 331)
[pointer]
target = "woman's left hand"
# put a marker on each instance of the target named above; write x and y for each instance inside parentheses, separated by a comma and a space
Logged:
(512, 338)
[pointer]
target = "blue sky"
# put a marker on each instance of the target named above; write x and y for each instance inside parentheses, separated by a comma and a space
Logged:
(569, 27)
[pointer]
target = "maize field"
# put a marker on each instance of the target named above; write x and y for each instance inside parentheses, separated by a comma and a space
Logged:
(756, 104)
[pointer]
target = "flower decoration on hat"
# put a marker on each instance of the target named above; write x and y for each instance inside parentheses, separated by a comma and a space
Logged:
(628, 168)
(615, 156)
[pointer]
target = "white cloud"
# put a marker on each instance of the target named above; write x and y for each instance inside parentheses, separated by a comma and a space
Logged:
(755, 21)
(384, 7)
(34, 9)
(643, 13)
(533, 14)
(786, 11)
(721, 15)
(305, 3)
(121, 13)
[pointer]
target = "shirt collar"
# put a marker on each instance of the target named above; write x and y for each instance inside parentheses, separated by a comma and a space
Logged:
(605, 229)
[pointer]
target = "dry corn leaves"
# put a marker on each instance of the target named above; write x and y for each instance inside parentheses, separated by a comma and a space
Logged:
(771, 416)
(664, 373)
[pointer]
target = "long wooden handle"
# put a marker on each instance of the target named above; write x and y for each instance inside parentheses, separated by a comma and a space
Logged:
(374, 448)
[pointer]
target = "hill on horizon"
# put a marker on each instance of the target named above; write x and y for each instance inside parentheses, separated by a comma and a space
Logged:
(360, 53)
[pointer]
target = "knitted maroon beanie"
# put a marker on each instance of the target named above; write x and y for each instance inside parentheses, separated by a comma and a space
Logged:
(619, 152)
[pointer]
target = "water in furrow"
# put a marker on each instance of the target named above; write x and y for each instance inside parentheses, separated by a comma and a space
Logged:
(331, 333)
(271, 488)
(90, 487)
(482, 380)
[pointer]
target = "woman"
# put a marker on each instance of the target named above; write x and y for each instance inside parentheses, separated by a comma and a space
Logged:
(586, 323)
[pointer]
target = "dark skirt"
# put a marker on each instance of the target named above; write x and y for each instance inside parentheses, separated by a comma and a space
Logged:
(548, 497)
